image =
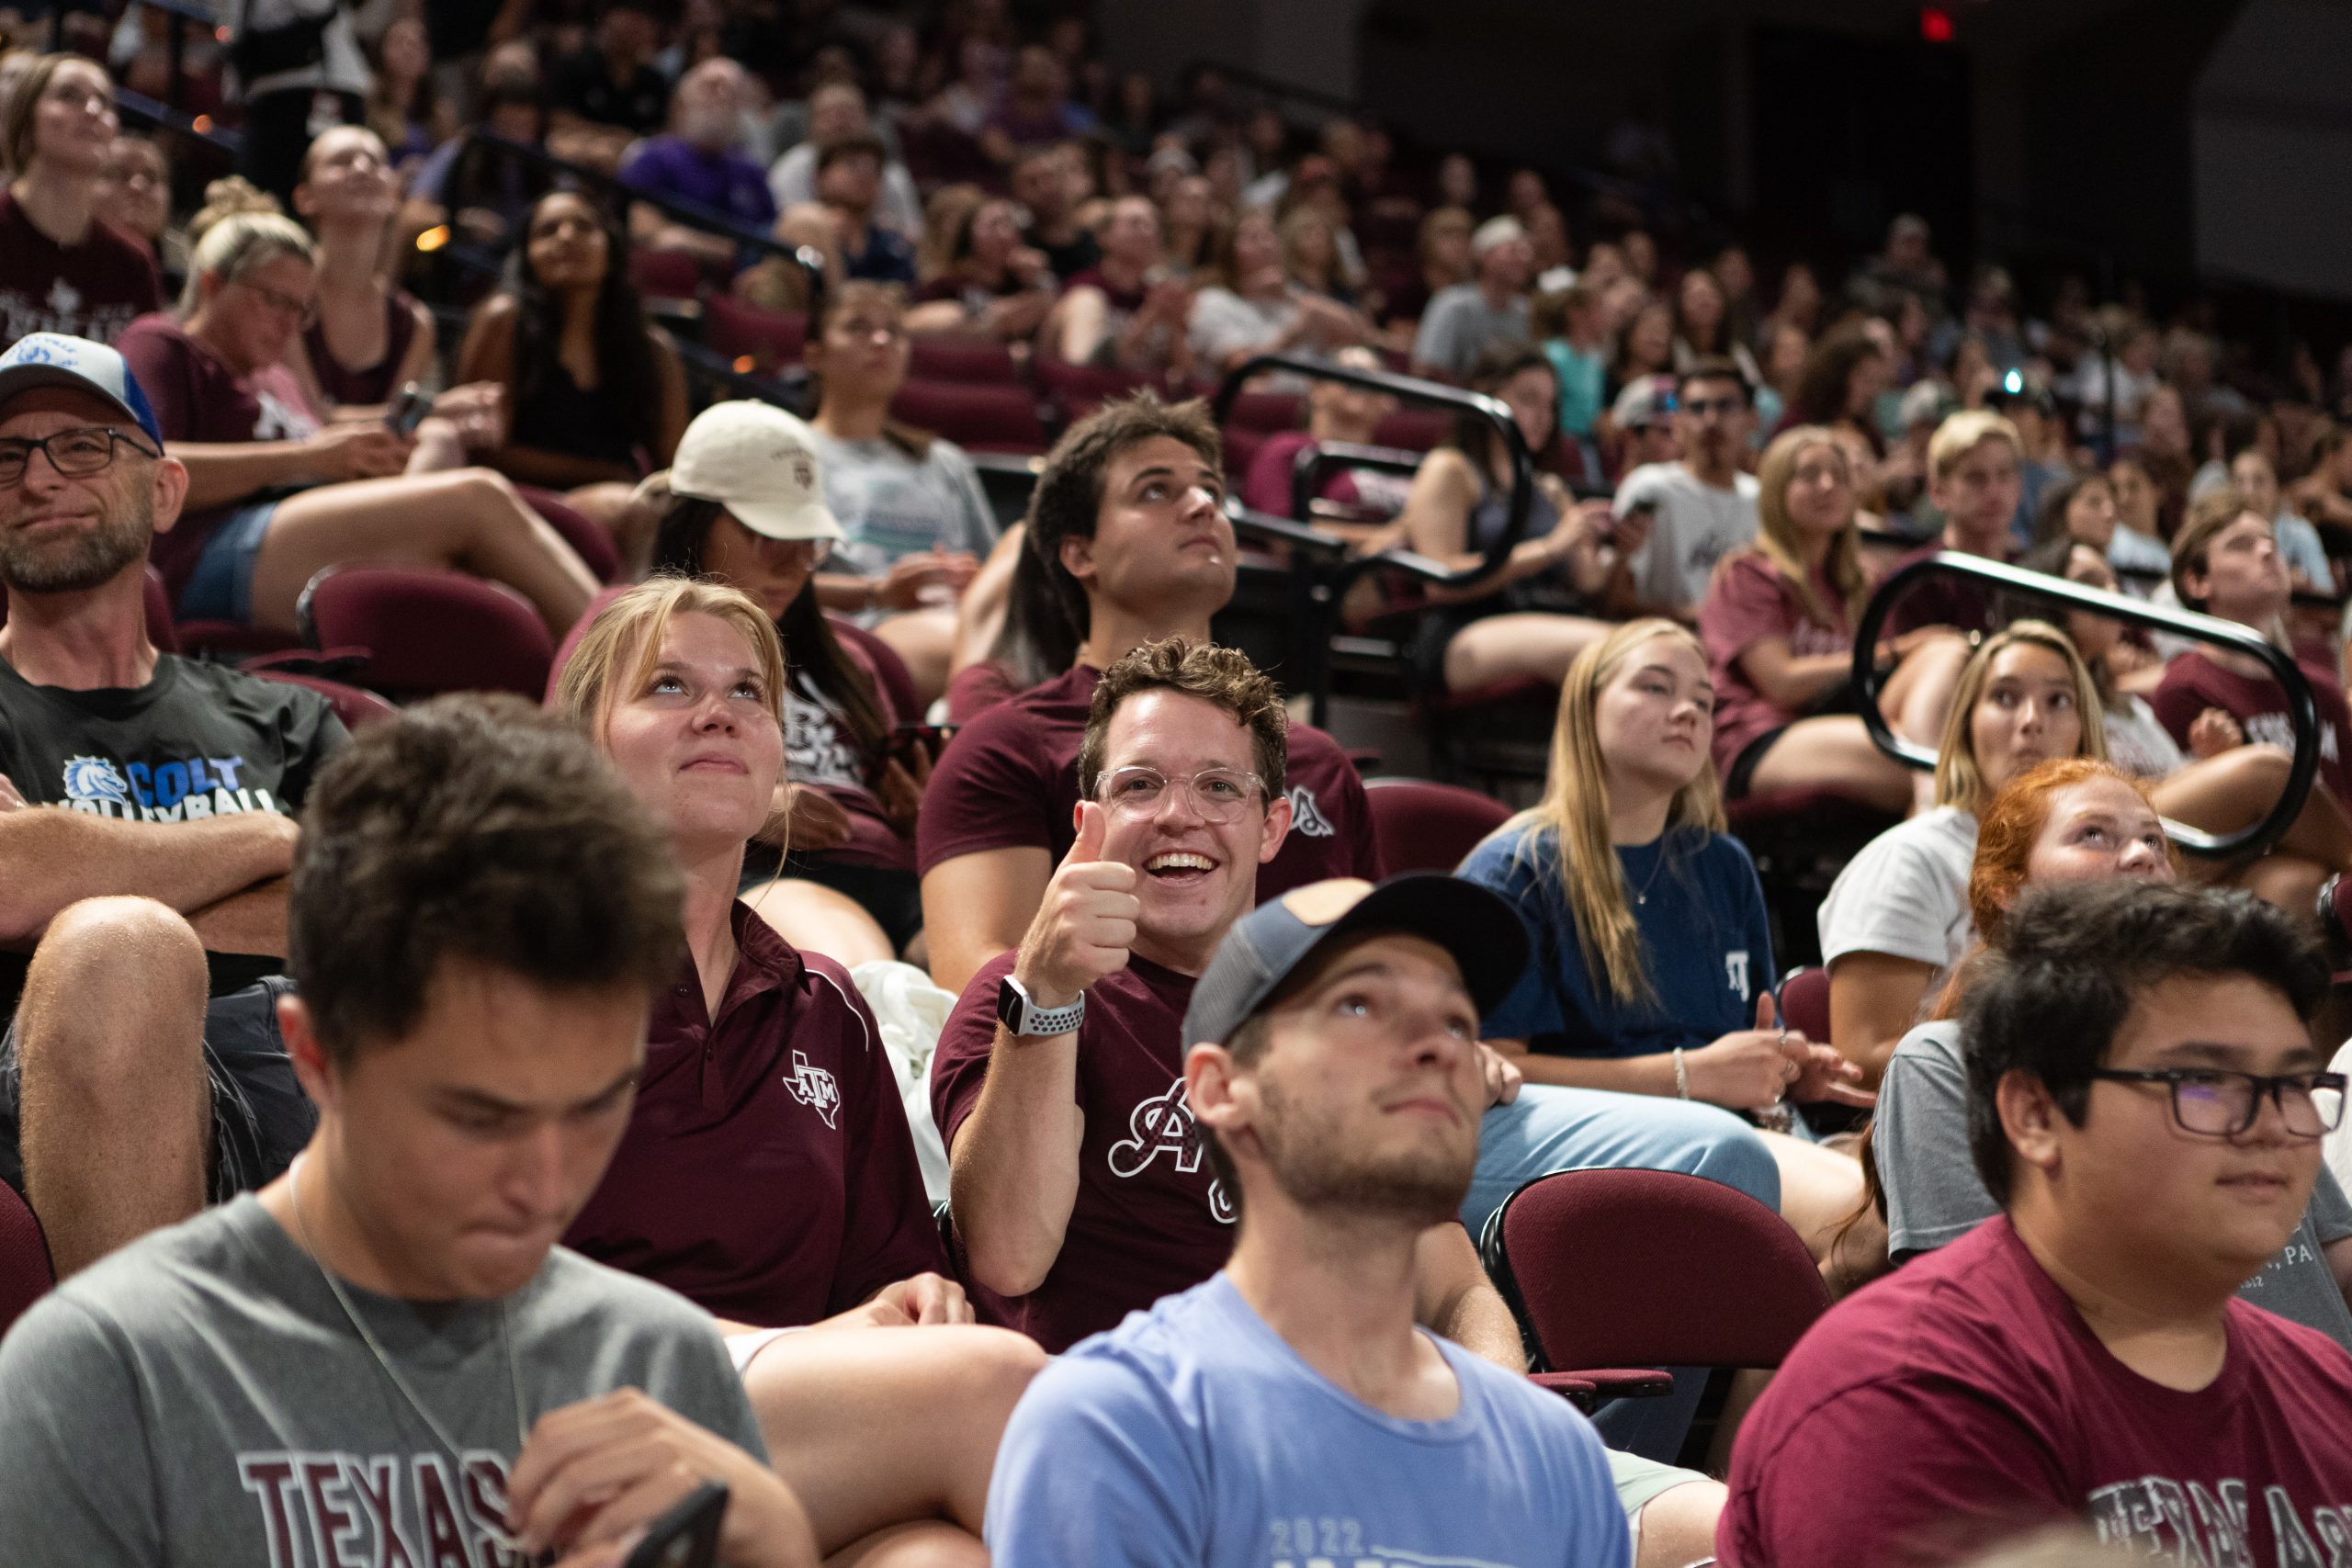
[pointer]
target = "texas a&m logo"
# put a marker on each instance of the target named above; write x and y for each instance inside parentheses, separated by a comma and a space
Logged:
(1164, 1125)
(814, 1087)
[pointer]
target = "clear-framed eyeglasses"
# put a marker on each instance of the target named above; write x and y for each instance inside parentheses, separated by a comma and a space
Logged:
(1217, 795)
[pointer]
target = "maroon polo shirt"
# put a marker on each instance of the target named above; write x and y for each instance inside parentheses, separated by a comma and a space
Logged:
(767, 1174)
(1149, 1219)
(1009, 778)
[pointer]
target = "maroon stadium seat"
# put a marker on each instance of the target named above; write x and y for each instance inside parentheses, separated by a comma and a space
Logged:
(353, 706)
(429, 631)
(979, 417)
(665, 275)
(1651, 1268)
(1079, 389)
(1804, 1003)
(1415, 430)
(1422, 826)
(587, 538)
(571, 642)
(1266, 412)
(759, 342)
(962, 356)
(26, 1274)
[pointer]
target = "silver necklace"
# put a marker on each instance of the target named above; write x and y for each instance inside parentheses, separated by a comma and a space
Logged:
(1642, 896)
(367, 1336)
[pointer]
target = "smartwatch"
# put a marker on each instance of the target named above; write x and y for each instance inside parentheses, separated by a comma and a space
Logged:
(1026, 1020)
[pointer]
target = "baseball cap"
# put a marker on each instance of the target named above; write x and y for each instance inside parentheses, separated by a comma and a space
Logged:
(762, 464)
(52, 359)
(1647, 400)
(1496, 232)
(1271, 943)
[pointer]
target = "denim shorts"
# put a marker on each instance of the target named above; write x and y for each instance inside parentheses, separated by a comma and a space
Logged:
(221, 587)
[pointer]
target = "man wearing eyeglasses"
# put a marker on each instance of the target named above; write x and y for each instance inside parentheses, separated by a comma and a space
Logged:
(125, 770)
(1705, 505)
(2146, 1104)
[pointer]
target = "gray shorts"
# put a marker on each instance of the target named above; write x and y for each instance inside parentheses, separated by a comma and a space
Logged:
(261, 1118)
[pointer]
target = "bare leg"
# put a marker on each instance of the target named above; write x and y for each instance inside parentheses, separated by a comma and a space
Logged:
(1918, 696)
(924, 640)
(1079, 323)
(879, 1427)
(2290, 882)
(815, 918)
(1834, 751)
(116, 1110)
(926, 1545)
(470, 518)
(1678, 1526)
(1819, 1187)
(1514, 646)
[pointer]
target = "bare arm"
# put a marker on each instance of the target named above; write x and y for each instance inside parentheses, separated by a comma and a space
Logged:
(1875, 999)
(672, 423)
(1013, 1174)
(56, 856)
(977, 906)
(1791, 681)
(1452, 1296)
(250, 922)
(221, 473)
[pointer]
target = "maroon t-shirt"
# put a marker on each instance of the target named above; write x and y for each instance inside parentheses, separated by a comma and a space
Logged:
(93, 290)
(1961, 604)
(767, 1174)
(1149, 1219)
(1751, 602)
(2193, 682)
(1009, 778)
(977, 687)
(197, 398)
(1962, 1398)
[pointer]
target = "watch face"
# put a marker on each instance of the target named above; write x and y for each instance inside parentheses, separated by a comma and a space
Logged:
(1008, 1006)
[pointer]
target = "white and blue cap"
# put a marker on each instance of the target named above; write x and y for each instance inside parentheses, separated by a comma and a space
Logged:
(1270, 943)
(52, 359)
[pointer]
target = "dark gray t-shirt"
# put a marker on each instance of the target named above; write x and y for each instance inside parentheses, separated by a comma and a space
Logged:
(1933, 1195)
(200, 1398)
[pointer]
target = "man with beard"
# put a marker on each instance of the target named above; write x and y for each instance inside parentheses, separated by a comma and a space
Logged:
(126, 771)
(1706, 507)
(1289, 1410)
(701, 161)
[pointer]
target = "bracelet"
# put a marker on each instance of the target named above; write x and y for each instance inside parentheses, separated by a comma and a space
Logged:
(1681, 1076)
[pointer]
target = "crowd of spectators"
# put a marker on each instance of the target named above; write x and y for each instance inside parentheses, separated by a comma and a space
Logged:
(951, 1010)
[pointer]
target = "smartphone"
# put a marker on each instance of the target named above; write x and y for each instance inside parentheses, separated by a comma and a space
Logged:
(687, 1536)
(1644, 510)
(933, 738)
(408, 407)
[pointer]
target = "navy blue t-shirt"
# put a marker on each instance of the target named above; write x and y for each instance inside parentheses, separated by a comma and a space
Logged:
(1705, 936)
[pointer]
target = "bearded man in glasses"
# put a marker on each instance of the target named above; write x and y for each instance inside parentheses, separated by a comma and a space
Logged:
(2145, 1103)
(126, 1103)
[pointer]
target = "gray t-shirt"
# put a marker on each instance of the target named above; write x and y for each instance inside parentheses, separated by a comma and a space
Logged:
(1934, 1198)
(1907, 894)
(200, 1398)
(1459, 325)
(891, 504)
(1696, 525)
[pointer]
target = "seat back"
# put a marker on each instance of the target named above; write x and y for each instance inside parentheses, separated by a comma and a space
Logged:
(24, 1272)
(588, 538)
(665, 275)
(1804, 1003)
(770, 340)
(429, 631)
(1652, 1269)
(961, 357)
(353, 706)
(1413, 429)
(1424, 826)
(976, 416)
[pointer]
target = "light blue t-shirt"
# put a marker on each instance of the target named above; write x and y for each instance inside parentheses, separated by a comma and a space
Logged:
(1194, 1435)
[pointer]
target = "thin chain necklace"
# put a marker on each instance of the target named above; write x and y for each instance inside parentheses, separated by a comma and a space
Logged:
(359, 1323)
(1642, 895)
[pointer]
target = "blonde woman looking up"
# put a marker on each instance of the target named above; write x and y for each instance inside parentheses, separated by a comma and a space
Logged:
(1653, 967)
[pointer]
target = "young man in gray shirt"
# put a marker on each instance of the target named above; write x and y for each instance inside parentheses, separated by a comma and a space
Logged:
(1463, 321)
(1703, 505)
(383, 1356)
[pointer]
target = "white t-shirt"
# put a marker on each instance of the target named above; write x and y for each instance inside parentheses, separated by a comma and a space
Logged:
(1907, 894)
(1695, 526)
(2137, 741)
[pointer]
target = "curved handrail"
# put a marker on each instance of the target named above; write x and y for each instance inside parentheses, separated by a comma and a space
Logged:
(2303, 711)
(1412, 389)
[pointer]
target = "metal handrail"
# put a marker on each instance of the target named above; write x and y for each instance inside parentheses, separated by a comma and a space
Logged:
(1316, 459)
(2303, 711)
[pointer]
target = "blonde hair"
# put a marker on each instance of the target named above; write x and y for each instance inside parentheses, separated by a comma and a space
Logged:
(1775, 532)
(1958, 780)
(1576, 807)
(623, 642)
(238, 228)
(1964, 432)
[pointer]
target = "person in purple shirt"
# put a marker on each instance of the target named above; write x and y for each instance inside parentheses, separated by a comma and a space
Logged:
(698, 161)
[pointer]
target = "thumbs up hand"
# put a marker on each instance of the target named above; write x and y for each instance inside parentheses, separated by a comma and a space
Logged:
(1086, 923)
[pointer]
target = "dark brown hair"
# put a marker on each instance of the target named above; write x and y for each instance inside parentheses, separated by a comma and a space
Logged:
(1205, 670)
(1069, 497)
(480, 829)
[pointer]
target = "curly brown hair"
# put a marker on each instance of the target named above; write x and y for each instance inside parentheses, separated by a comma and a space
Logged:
(1205, 670)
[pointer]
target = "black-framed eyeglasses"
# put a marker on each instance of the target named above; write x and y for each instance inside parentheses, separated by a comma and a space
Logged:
(2214, 1104)
(76, 454)
(1700, 408)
